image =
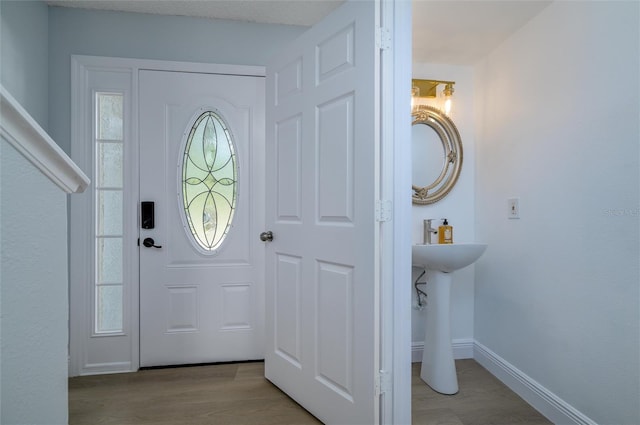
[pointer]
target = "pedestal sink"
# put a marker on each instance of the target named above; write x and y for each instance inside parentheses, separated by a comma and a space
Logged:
(438, 367)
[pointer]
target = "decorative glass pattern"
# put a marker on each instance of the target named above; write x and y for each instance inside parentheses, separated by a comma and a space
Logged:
(209, 180)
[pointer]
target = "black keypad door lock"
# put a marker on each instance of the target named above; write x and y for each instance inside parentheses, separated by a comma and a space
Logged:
(147, 214)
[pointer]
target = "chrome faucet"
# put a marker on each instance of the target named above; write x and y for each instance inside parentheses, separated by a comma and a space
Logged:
(428, 230)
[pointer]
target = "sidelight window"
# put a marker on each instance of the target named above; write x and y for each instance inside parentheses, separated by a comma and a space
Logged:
(108, 178)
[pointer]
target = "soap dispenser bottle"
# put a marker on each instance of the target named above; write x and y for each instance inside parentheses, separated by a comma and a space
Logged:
(445, 233)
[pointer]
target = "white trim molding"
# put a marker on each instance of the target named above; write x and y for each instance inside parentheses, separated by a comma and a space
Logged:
(395, 297)
(550, 405)
(23, 132)
(462, 349)
(107, 368)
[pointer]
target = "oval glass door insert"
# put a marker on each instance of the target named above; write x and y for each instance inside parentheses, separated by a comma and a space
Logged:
(209, 180)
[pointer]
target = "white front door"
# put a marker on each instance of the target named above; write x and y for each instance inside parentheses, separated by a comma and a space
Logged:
(322, 312)
(202, 284)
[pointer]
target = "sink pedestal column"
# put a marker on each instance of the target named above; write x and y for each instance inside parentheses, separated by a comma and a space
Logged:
(438, 367)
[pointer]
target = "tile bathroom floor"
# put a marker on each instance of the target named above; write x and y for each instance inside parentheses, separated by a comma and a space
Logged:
(238, 394)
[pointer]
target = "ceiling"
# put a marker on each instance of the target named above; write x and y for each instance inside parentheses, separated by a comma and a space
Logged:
(291, 12)
(460, 32)
(456, 32)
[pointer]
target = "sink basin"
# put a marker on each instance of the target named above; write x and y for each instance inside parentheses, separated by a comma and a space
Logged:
(446, 257)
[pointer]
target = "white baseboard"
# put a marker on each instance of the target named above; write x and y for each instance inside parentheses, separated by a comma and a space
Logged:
(547, 403)
(104, 368)
(462, 349)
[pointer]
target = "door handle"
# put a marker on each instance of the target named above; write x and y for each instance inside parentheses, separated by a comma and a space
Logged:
(266, 236)
(150, 243)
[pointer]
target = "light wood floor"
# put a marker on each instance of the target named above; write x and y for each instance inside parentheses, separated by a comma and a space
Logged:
(237, 394)
(481, 400)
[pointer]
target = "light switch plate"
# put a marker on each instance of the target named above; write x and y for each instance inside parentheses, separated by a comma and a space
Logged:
(513, 205)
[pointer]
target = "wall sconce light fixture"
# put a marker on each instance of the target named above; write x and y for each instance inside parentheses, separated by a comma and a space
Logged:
(429, 88)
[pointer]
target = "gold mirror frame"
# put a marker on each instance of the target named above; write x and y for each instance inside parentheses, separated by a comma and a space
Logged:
(452, 160)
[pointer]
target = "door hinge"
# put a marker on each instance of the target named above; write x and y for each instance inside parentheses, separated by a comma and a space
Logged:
(383, 210)
(383, 38)
(383, 382)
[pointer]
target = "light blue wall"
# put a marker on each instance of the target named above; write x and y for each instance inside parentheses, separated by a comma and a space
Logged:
(134, 35)
(24, 55)
(34, 294)
(33, 239)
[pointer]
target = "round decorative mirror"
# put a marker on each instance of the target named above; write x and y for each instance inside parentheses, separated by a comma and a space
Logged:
(437, 154)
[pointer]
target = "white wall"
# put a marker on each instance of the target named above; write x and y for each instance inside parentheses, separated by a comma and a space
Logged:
(33, 293)
(457, 207)
(557, 291)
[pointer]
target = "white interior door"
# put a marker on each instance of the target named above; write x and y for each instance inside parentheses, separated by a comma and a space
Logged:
(202, 285)
(321, 268)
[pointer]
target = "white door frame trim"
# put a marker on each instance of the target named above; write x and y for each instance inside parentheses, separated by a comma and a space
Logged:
(88, 353)
(395, 185)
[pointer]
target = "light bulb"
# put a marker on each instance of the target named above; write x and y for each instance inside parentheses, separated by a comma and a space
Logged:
(447, 105)
(448, 101)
